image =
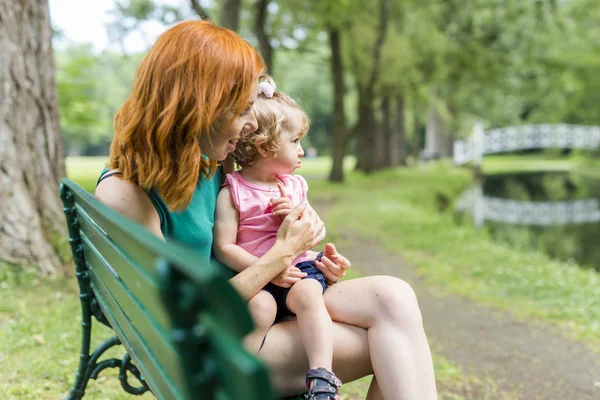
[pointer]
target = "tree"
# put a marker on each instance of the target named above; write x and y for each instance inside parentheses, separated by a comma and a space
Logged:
(367, 74)
(31, 154)
(81, 99)
(260, 30)
(230, 14)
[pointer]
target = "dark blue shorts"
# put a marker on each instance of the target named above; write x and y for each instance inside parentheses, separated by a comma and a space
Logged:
(280, 294)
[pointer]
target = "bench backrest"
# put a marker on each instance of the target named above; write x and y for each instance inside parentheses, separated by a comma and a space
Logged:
(179, 319)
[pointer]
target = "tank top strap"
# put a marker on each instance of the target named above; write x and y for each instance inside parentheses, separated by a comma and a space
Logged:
(103, 176)
(233, 181)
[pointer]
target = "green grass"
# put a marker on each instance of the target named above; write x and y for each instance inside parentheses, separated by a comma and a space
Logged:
(40, 326)
(86, 170)
(40, 330)
(40, 320)
(401, 209)
(505, 164)
(579, 162)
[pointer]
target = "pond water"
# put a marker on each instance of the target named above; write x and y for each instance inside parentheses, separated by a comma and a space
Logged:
(555, 212)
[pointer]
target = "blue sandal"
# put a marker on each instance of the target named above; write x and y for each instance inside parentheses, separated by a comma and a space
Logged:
(326, 385)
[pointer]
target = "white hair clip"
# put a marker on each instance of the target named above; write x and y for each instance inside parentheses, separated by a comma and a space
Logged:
(266, 88)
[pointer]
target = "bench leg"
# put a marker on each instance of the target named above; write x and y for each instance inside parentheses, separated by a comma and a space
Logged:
(89, 367)
(88, 364)
(82, 377)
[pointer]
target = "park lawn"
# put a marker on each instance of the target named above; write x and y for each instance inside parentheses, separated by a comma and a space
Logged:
(86, 170)
(407, 210)
(410, 212)
(40, 324)
(506, 164)
(579, 162)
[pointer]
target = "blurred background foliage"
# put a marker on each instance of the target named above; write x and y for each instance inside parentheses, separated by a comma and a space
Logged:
(421, 70)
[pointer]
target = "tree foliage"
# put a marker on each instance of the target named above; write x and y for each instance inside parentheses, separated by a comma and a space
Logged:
(447, 61)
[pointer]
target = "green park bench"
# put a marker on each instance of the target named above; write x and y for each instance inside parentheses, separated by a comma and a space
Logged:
(180, 321)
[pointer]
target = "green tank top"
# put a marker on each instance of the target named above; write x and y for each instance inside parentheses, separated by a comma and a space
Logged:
(193, 226)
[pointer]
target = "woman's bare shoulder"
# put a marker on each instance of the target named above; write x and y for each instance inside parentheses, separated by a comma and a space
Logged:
(130, 200)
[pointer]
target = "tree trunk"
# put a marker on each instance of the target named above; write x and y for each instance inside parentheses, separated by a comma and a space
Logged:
(264, 42)
(338, 141)
(198, 9)
(230, 14)
(365, 141)
(366, 125)
(397, 147)
(384, 142)
(31, 153)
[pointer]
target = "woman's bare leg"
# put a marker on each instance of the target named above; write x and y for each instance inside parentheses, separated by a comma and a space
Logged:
(398, 347)
(395, 341)
(263, 309)
(286, 358)
(305, 299)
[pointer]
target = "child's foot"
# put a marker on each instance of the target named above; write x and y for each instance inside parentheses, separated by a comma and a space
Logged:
(322, 384)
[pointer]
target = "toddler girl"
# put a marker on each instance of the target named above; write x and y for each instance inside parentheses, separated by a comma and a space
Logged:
(250, 209)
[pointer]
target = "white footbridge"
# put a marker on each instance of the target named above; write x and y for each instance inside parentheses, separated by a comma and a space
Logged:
(485, 208)
(524, 137)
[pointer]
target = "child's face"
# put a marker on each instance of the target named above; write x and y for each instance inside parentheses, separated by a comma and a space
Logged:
(287, 159)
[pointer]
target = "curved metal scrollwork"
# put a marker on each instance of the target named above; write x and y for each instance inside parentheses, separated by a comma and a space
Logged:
(88, 364)
(93, 369)
(126, 365)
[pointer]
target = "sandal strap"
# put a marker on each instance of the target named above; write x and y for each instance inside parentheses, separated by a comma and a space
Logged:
(322, 373)
(327, 390)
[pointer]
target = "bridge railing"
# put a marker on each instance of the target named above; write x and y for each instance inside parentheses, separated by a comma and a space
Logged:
(523, 137)
(509, 211)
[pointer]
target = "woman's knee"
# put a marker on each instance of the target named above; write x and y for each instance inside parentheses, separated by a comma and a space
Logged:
(396, 301)
(262, 307)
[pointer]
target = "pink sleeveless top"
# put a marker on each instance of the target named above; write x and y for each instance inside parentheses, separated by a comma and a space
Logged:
(257, 228)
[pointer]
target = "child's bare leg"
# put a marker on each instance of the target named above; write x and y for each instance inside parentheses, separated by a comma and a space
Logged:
(305, 299)
(263, 310)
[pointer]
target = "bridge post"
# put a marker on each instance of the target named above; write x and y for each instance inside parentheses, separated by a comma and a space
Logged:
(478, 143)
(478, 206)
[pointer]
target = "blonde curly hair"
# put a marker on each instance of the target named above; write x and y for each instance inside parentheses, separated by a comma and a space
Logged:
(273, 116)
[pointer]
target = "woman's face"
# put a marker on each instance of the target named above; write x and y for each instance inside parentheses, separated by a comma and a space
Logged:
(222, 143)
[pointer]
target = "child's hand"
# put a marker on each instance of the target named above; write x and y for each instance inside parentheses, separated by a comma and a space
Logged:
(282, 206)
(333, 265)
(288, 277)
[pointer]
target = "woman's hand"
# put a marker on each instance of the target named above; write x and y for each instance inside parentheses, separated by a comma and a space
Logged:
(282, 205)
(288, 277)
(301, 230)
(333, 265)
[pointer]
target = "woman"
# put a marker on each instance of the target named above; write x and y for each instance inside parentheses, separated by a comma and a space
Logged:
(191, 101)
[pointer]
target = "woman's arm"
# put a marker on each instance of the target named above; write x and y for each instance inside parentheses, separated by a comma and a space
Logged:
(225, 234)
(131, 201)
(301, 230)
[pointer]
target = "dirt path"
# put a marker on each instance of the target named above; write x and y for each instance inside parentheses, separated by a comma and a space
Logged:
(529, 361)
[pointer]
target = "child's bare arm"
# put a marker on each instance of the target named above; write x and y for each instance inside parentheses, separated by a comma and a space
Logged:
(225, 234)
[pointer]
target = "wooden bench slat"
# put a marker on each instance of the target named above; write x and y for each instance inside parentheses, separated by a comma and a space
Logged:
(175, 313)
(149, 333)
(135, 277)
(240, 373)
(218, 295)
(152, 369)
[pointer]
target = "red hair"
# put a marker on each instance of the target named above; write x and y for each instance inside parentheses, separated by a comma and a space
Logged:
(192, 82)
